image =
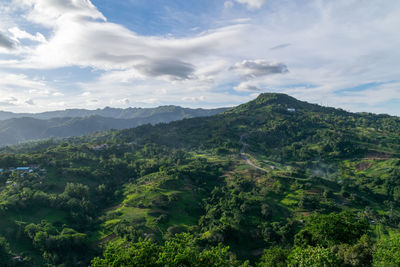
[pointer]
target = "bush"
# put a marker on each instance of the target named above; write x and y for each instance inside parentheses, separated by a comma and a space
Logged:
(312, 257)
(387, 253)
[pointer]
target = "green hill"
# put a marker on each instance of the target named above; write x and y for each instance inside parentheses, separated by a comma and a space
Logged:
(310, 185)
(275, 124)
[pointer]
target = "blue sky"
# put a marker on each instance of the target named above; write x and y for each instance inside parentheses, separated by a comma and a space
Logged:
(58, 54)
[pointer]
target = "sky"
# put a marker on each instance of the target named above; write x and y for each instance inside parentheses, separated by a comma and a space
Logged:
(61, 54)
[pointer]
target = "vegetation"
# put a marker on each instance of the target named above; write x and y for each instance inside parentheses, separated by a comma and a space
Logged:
(326, 192)
(180, 250)
(22, 127)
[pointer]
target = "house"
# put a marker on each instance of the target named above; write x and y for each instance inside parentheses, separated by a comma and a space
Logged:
(18, 259)
(99, 147)
(9, 182)
(23, 169)
(291, 109)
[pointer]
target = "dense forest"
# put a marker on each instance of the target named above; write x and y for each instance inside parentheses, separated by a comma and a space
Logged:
(273, 182)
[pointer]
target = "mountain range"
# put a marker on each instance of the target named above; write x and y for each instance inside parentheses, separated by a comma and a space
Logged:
(21, 127)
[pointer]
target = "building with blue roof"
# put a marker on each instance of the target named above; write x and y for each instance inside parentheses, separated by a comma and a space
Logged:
(24, 169)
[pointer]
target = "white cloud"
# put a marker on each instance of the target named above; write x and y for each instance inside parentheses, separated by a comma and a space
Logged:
(280, 46)
(377, 95)
(125, 101)
(30, 102)
(327, 46)
(58, 94)
(228, 4)
(258, 68)
(20, 34)
(49, 12)
(20, 81)
(246, 87)
(16, 87)
(86, 94)
(6, 42)
(193, 98)
(252, 4)
(78, 40)
(9, 101)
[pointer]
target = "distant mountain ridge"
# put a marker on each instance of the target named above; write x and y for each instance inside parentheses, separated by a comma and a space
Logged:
(22, 127)
(117, 113)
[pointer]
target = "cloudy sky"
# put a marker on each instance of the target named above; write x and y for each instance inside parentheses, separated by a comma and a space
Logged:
(58, 54)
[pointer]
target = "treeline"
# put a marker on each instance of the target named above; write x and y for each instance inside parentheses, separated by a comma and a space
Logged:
(337, 239)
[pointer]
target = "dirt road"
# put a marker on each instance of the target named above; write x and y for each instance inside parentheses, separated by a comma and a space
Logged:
(246, 157)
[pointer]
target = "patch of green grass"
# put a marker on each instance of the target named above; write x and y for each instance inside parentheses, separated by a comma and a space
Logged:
(289, 200)
(242, 167)
(133, 213)
(36, 215)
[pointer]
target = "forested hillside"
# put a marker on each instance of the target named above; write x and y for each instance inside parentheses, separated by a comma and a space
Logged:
(25, 127)
(273, 182)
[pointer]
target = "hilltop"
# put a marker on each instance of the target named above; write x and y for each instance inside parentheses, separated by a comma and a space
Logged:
(277, 123)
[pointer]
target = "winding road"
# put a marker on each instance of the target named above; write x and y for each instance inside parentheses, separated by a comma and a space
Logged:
(246, 157)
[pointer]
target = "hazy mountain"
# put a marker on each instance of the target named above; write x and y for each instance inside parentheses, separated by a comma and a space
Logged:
(78, 122)
(164, 113)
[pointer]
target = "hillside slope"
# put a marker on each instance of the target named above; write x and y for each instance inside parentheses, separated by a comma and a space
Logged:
(282, 127)
(313, 185)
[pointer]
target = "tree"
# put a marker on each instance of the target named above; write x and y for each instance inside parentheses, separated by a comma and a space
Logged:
(180, 250)
(332, 229)
(387, 253)
(5, 253)
(312, 257)
(359, 254)
(142, 253)
(274, 257)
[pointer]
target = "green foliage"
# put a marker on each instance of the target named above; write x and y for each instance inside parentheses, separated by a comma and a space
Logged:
(332, 229)
(312, 257)
(142, 253)
(54, 243)
(388, 252)
(153, 182)
(274, 257)
(359, 254)
(60, 124)
(181, 250)
(5, 252)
